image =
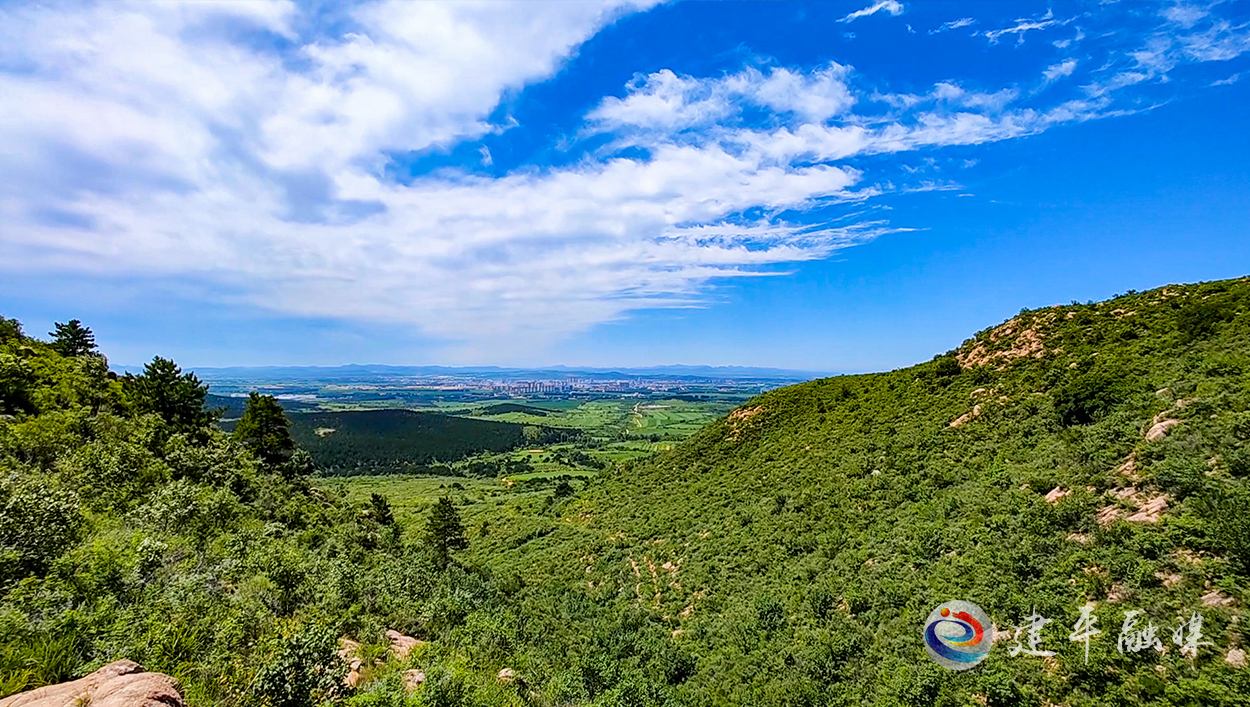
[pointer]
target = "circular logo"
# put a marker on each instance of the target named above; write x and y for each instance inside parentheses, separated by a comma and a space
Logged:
(958, 635)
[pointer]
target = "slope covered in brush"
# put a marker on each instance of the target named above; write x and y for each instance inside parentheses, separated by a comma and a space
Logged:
(791, 551)
(132, 528)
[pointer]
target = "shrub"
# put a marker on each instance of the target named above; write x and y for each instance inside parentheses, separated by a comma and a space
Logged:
(302, 669)
(1087, 397)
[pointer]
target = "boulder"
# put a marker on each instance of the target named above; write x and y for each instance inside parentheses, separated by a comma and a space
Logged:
(401, 645)
(1150, 511)
(1160, 429)
(1057, 493)
(123, 683)
(413, 680)
(506, 675)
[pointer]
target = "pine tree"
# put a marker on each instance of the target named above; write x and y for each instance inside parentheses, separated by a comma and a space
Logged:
(265, 430)
(381, 509)
(72, 339)
(164, 389)
(444, 530)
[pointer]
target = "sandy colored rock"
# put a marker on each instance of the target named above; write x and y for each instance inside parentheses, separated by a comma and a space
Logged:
(1021, 343)
(1212, 598)
(1081, 538)
(1169, 579)
(1160, 429)
(1057, 493)
(1236, 658)
(123, 683)
(967, 417)
(413, 680)
(1125, 494)
(1107, 515)
(401, 645)
(1118, 593)
(1188, 556)
(506, 675)
(1150, 511)
(1129, 468)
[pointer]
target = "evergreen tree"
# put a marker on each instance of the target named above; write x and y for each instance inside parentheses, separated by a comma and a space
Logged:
(265, 430)
(381, 509)
(164, 389)
(444, 531)
(72, 339)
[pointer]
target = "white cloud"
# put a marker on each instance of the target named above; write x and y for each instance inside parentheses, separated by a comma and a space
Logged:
(1025, 25)
(1057, 71)
(894, 7)
(145, 139)
(665, 101)
(1183, 14)
(954, 24)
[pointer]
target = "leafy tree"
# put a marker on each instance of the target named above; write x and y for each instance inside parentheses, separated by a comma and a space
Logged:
(444, 531)
(38, 521)
(10, 330)
(72, 339)
(164, 389)
(16, 380)
(265, 430)
(1088, 396)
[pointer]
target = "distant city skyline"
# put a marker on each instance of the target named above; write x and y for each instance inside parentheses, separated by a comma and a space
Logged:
(837, 186)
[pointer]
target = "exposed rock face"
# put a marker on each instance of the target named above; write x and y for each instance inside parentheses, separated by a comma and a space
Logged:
(401, 645)
(1150, 511)
(120, 684)
(1160, 429)
(1056, 494)
(967, 417)
(1212, 598)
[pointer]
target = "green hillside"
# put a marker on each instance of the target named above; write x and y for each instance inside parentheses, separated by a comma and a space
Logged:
(788, 554)
(793, 549)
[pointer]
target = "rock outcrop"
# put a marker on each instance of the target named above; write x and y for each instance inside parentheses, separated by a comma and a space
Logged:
(120, 684)
(401, 645)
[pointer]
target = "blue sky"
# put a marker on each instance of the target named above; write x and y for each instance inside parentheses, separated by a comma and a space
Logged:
(837, 186)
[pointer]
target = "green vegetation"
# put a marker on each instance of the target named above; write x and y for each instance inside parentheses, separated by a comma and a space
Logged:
(264, 431)
(787, 554)
(399, 441)
(504, 408)
(795, 547)
(131, 528)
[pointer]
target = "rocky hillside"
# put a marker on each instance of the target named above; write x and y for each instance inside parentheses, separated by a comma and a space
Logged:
(1080, 455)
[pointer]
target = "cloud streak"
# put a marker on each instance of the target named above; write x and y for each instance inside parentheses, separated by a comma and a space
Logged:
(893, 7)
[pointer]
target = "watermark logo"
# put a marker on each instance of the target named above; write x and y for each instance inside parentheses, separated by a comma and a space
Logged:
(958, 635)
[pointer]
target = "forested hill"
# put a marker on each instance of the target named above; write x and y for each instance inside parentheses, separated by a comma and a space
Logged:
(389, 441)
(1083, 453)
